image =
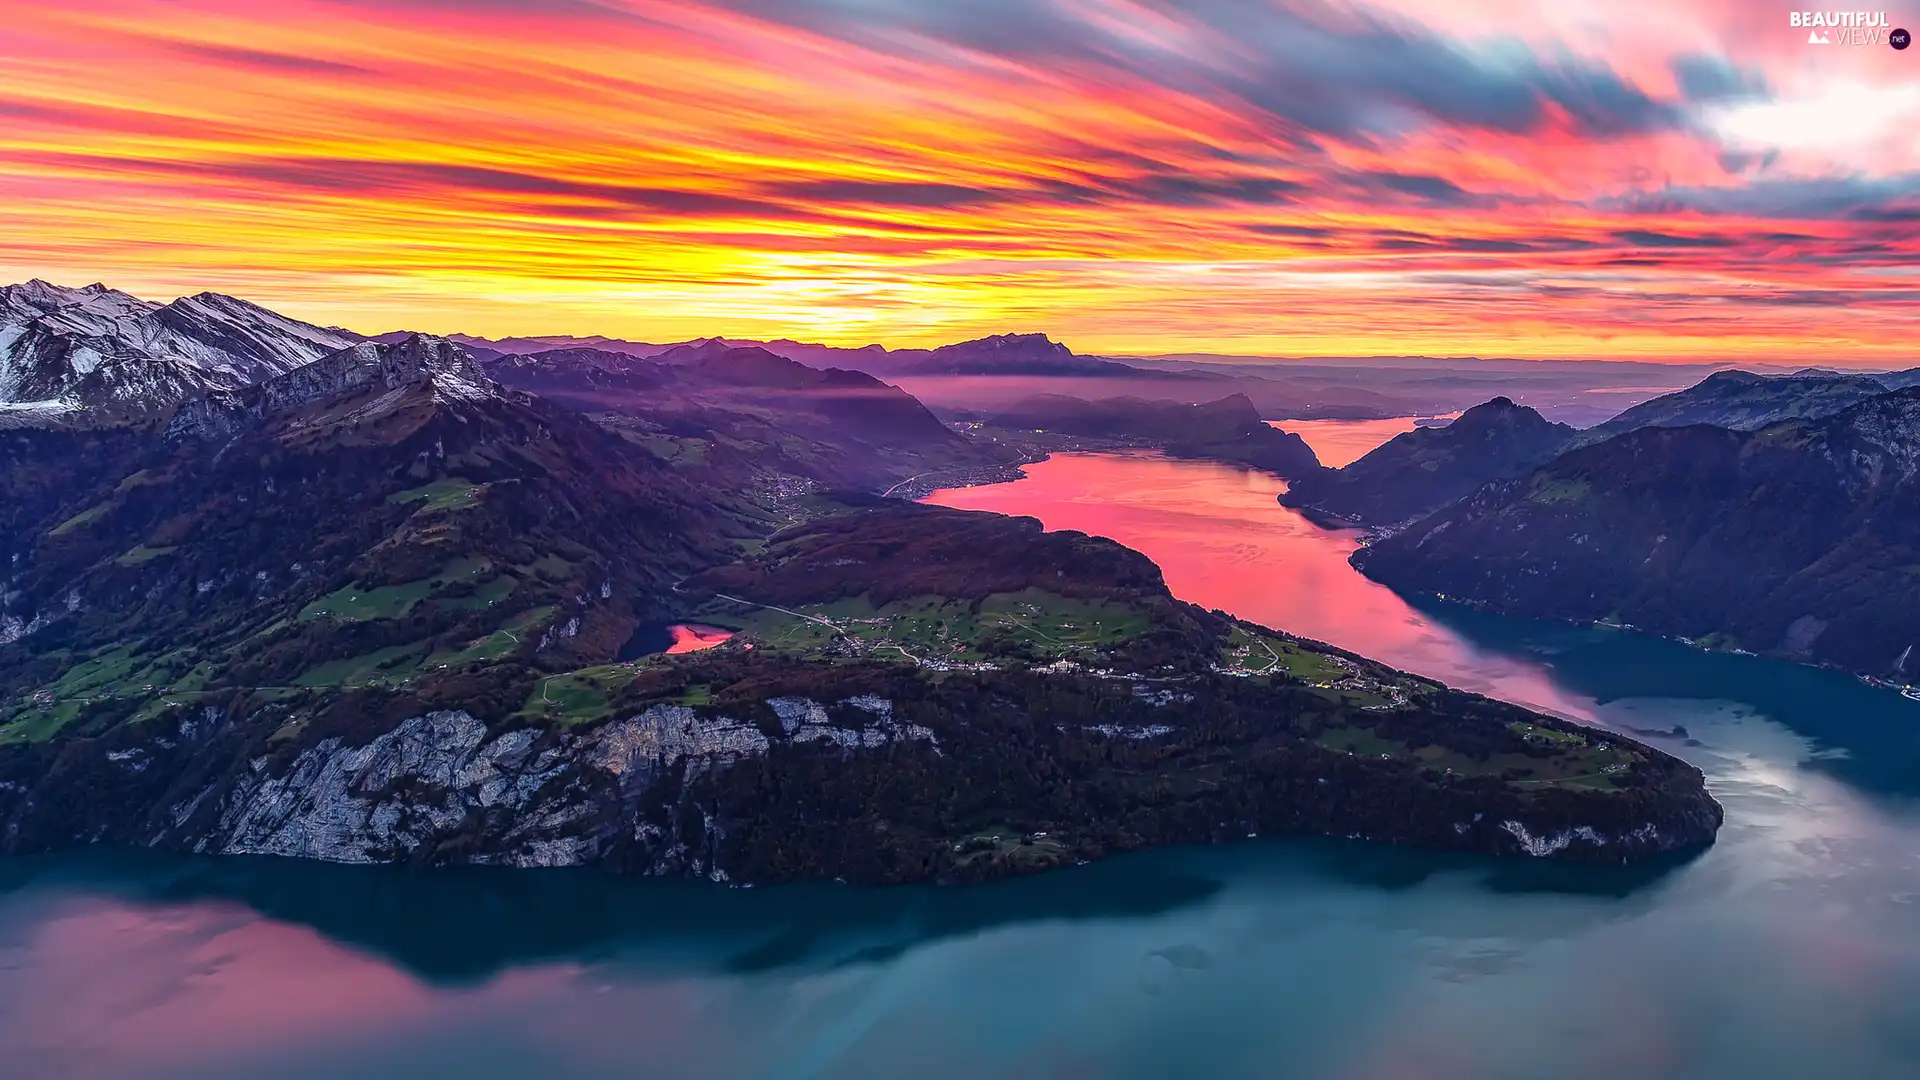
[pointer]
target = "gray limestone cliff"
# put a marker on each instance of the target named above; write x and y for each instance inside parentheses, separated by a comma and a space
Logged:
(437, 787)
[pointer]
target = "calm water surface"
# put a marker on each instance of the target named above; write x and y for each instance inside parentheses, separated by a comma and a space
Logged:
(650, 639)
(1342, 442)
(1790, 949)
(694, 637)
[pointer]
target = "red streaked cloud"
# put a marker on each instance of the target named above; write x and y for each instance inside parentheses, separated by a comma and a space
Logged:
(1678, 179)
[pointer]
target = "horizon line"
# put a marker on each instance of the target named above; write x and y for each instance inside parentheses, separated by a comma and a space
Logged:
(1189, 355)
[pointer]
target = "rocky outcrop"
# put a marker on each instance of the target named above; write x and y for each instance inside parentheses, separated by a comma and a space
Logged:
(1644, 837)
(413, 361)
(556, 799)
(441, 787)
(804, 720)
(414, 786)
(15, 627)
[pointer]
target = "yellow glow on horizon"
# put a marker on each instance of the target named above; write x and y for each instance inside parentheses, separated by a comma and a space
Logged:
(661, 171)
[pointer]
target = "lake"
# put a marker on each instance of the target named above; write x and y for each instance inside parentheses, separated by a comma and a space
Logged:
(1790, 949)
(1343, 442)
(672, 639)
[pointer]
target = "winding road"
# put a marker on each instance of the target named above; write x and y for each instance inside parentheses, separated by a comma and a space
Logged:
(835, 627)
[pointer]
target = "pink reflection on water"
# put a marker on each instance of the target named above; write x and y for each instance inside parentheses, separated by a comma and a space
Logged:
(121, 990)
(1223, 541)
(1343, 442)
(693, 637)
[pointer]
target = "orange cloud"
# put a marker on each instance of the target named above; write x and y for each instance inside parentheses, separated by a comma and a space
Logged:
(1289, 177)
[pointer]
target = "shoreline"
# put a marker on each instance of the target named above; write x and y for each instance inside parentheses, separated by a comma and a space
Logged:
(916, 488)
(919, 487)
(1371, 532)
(1910, 691)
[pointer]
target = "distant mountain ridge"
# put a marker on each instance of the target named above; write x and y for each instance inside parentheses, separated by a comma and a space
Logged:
(1228, 429)
(1421, 470)
(1128, 416)
(997, 354)
(740, 374)
(90, 355)
(930, 373)
(1743, 401)
(716, 402)
(1418, 472)
(95, 354)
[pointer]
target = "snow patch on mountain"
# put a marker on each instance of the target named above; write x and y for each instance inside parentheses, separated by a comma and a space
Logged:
(51, 407)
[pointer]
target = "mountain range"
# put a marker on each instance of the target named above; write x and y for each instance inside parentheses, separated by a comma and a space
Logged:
(712, 404)
(999, 354)
(997, 371)
(383, 478)
(740, 376)
(380, 605)
(1796, 538)
(86, 353)
(1423, 470)
(1744, 401)
(94, 354)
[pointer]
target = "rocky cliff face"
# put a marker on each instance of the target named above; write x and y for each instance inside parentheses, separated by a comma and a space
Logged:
(563, 800)
(437, 787)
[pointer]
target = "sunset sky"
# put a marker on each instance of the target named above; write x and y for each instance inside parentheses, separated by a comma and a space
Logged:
(1628, 178)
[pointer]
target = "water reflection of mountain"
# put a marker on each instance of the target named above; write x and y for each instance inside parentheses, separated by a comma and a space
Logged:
(462, 925)
(1876, 731)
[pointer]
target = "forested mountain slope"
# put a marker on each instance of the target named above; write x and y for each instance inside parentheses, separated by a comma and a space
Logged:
(1800, 538)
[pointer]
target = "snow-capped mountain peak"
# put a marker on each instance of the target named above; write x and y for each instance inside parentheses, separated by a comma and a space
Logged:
(93, 309)
(97, 348)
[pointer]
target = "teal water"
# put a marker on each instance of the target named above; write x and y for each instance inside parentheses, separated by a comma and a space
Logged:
(1791, 948)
